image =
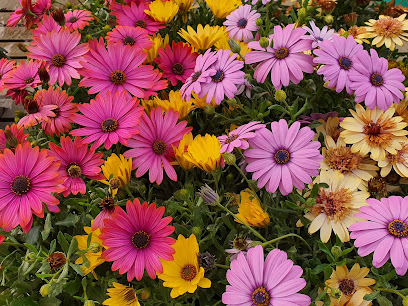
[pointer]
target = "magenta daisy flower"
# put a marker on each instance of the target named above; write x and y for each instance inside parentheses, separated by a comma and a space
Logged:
(284, 157)
(338, 58)
(64, 110)
(6, 66)
(108, 120)
(177, 64)
(273, 281)
(152, 148)
(374, 83)
(130, 36)
(61, 52)
(241, 23)
(22, 76)
(20, 13)
(137, 239)
(318, 36)
(109, 208)
(385, 232)
(48, 24)
(36, 113)
(76, 160)
(133, 15)
(285, 60)
(28, 176)
(238, 137)
(77, 19)
(12, 136)
(119, 68)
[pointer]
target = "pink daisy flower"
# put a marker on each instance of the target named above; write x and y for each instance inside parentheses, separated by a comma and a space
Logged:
(64, 110)
(241, 23)
(76, 160)
(109, 208)
(285, 60)
(23, 76)
(77, 19)
(119, 68)
(137, 239)
(152, 148)
(273, 281)
(28, 177)
(12, 136)
(17, 95)
(108, 120)
(133, 15)
(238, 137)
(36, 113)
(318, 36)
(130, 36)
(61, 52)
(48, 24)
(224, 81)
(40, 7)
(284, 157)
(20, 13)
(338, 59)
(5, 67)
(374, 83)
(177, 64)
(385, 232)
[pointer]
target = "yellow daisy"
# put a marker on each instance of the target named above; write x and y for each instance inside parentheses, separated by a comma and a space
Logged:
(174, 102)
(201, 103)
(374, 131)
(117, 170)
(250, 210)
(204, 152)
(121, 295)
(353, 285)
(159, 42)
(183, 274)
(180, 151)
(223, 44)
(162, 11)
(356, 32)
(184, 5)
(401, 110)
(204, 38)
(336, 206)
(222, 9)
(398, 161)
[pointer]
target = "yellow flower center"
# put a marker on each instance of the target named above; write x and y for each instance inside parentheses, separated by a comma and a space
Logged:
(342, 159)
(388, 27)
(398, 228)
(261, 297)
(73, 170)
(188, 272)
(335, 205)
(346, 286)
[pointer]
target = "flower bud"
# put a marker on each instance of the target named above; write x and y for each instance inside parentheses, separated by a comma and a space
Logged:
(259, 22)
(68, 5)
(43, 74)
(209, 195)
(234, 46)
(95, 247)
(56, 260)
(196, 231)
(350, 19)
(229, 158)
(114, 183)
(145, 294)
(22, 47)
(106, 28)
(280, 95)
(206, 260)
(30, 257)
(181, 194)
(232, 102)
(328, 19)
(88, 37)
(58, 16)
(45, 290)
(336, 251)
(209, 109)
(89, 303)
(264, 42)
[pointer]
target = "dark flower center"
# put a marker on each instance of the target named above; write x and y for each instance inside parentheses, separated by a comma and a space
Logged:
(398, 228)
(73, 169)
(231, 138)
(159, 147)
(58, 60)
(377, 185)
(56, 260)
(242, 23)
(376, 79)
(29, 80)
(73, 19)
(319, 38)
(372, 129)
(261, 297)
(188, 272)
(129, 41)
(140, 240)
(281, 53)
(129, 296)
(240, 243)
(31, 106)
(141, 24)
(345, 63)
(118, 77)
(282, 156)
(218, 76)
(115, 183)
(178, 69)
(109, 125)
(346, 286)
(195, 76)
(20, 185)
(108, 204)
(56, 112)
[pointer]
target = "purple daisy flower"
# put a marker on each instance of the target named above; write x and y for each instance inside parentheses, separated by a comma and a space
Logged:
(238, 137)
(241, 22)
(338, 58)
(318, 36)
(224, 81)
(284, 157)
(385, 232)
(374, 83)
(285, 60)
(255, 281)
(317, 116)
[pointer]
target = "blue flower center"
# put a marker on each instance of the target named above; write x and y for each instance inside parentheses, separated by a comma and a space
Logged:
(261, 297)
(282, 156)
(345, 63)
(398, 228)
(218, 76)
(242, 23)
(377, 79)
(195, 76)
(319, 38)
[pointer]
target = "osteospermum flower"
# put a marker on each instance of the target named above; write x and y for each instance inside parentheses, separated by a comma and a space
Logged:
(48, 24)
(204, 152)
(374, 131)
(222, 9)
(177, 62)
(285, 60)
(138, 239)
(204, 38)
(5, 67)
(250, 210)
(330, 127)
(61, 52)
(119, 68)
(284, 157)
(398, 162)
(152, 148)
(239, 245)
(318, 36)
(338, 59)
(36, 113)
(109, 207)
(174, 102)
(385, 232)
(374, 83)
(22, 76)
(76, 161)
(275, 281)
(135, 37)
(116, 170)
(179, 152)
(77, 19)
(121, 295)
(159, 43)
(12, 136)
(108, 120)
(28, 176)
(17, 95)
(20, 13)
(241, 23)
(162, 11)
(238, 138)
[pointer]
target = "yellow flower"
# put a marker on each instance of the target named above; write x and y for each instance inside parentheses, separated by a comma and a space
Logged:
(204, 38)
(116, 170)
(159, 42)
(374, 131)
(175, 103)
(329, 128)
(121, 295)
(200, 103)
(356, 32)
(353, 285)
(183, 274)
(222, 9)
(401, 110)
(387, 30)
(336, 206)
(204, 152)
(250, 210)
(180, 151)
(398, 161)
(94, 251)
(184, 5)
(223, 44)
(162, 11)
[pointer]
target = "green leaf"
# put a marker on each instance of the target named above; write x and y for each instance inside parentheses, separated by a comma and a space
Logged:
(71, 220)
(63, 242)
(292, 205)
(383, 301)
(32, 235)
(371, 296)
(23, 301)
(88, 240)
(341, 263)
(278, 108)
(63, 274)
(72, 287)
(44, 275)
(31, 247)
(77, 268)
(346, 251)
(50, 301)
(53, 246)
(72, 247)
(47, 227)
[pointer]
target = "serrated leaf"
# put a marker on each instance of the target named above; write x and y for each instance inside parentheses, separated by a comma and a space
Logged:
(47, 227)
(70, 220)
(63, 242)
(371, 296)
(72, 247)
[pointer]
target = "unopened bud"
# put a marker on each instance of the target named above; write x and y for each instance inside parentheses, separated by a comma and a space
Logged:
(144, 294)
(106, 28)
(209, 109)
(328, 19)
(114, 183)
(22, 47)
(30, 257)
(280, 95)
(95, 247)
(89, 303)
(209, 195)
(196, 231)
(68, 5)
(259, 22)
(232, 102)
(43, 74)
(234, 46)
(88, 37)
(58, 16)
(336, 251)
(229, 158)
(45, 290)
(351, 19)
(264, 42)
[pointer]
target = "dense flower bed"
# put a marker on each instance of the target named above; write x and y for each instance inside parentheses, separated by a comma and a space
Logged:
(206, 152)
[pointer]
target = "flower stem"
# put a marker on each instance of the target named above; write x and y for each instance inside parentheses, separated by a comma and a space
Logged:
(221, 266)
(129, 193)
(390, 291)
(248, 182)
(286, 236)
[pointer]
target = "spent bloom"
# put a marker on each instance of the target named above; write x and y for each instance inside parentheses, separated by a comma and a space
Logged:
(11, 136)
(241, 23)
